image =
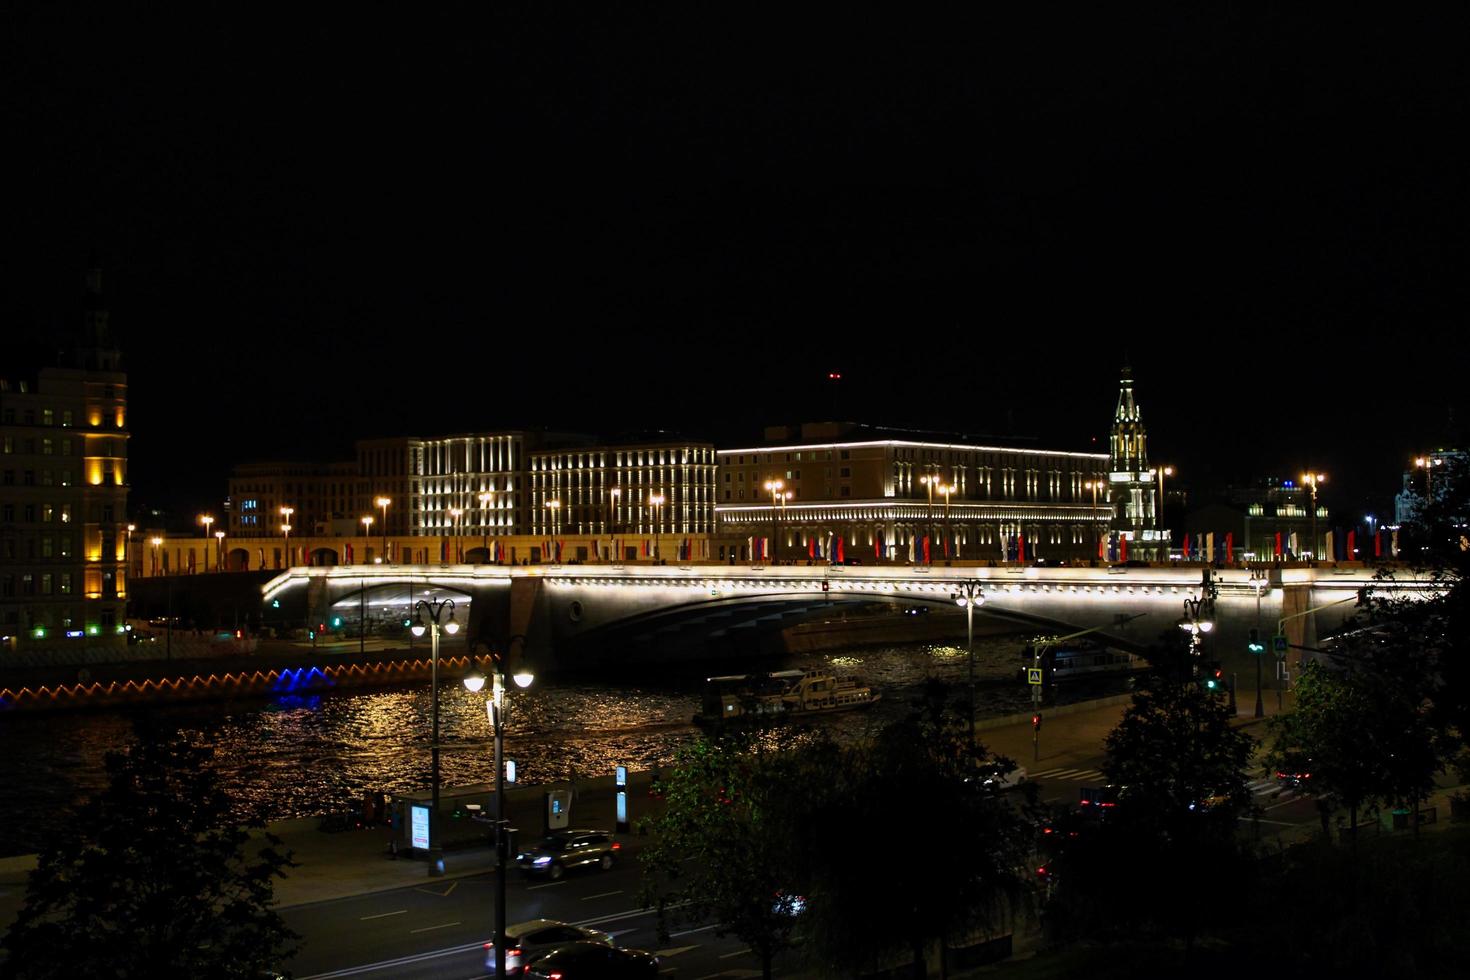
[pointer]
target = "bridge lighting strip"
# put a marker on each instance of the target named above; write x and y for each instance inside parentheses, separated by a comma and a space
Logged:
(1009, 450)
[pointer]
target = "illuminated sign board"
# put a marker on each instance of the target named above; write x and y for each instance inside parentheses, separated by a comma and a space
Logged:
(420, 827)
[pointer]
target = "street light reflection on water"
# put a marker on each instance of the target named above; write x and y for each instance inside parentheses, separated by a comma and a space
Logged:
(302, 755)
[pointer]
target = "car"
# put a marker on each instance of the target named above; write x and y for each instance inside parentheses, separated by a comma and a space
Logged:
(578, 960)
(527, 942)
(561, 851)
(1100, 799)
(1294, 778)
(1000, 779)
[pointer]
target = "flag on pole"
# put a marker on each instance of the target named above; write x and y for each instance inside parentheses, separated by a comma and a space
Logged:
(1230, 547)
(1122, 548)
(1021, 547)
(926, 549)
(811, 547)
(1378, 543)
(1352, 544)
(840, 560)
(1184, 548)
(1278, 544)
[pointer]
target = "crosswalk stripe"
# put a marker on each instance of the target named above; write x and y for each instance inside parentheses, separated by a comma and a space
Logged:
(1084, 775)
(1058, 773)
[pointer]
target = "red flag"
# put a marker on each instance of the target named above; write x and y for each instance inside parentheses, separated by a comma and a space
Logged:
(839, 552)
(926, 549)
(1352, 548)
(1229, 547)
(1122, 548)
(1278, 544)
(1102, 548)
(1021, 548)
(877, 546)
(811, 547)
(1186, 547)
(1377, 544)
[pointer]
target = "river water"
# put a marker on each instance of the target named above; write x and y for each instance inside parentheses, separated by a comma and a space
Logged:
(300, 756)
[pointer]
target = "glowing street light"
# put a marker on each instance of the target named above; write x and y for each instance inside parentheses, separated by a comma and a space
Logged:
(774, 488)
(286, 513)
(656, 503)
(383, 503)
(454, 515)
(206, 520)
(971, 594)
(157, 543)
(435, 610)
(946, 490)
(1312, 481)
(485, 498)
(367, 524)
(1163, 472)
(1095, 486)
(219, 551)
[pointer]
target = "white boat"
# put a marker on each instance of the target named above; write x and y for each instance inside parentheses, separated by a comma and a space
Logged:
(784, 694)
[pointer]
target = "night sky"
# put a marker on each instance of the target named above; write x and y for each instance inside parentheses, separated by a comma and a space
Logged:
(335, 225)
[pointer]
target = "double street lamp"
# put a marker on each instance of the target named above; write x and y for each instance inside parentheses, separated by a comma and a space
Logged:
(454, 515)
(778, 499)
(286, 513)
(1095, 486)
(1312, 481)
(970, 595)
(495, 708)
(485, 498)
(206, 520)
(435, 611)
(656, 505)
(383, 502)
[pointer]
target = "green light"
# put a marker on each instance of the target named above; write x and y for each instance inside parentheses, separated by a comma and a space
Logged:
(1210, 684)
(275, 603)
(121, 630)
(311, 634)
(40, 633)
(336, 621)
(92, 631)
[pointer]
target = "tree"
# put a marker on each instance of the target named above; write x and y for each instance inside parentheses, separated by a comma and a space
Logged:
(1165, 857)
(153, 877)
(875, 889)
(722, 848)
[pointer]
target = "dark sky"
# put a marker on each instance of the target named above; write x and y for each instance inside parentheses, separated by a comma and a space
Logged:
(339, 226)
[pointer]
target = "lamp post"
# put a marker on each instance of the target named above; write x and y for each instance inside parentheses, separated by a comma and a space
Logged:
(1159, 515)
(435, 610)
(930, 481)
(219, 551)
(495, 708)
(774, 487)
(1257, 649)
(1199, 619)
(1095, 486)
(128, 550)
(454, 515)
(971, 594)
(157, 543)
(486, 497)
(383, 503)
(1311, 481)
(656, 503)
(946, 490)
(286, 513)
(206, 520)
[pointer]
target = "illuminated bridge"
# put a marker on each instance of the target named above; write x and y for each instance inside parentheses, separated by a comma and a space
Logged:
(654, 613)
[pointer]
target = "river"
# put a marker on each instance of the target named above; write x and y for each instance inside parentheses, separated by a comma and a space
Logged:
(301, 756)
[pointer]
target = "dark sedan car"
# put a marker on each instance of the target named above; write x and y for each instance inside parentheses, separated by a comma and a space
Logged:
(557, 853)
(577, 961)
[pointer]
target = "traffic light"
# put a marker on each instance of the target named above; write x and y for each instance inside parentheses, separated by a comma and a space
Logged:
(1036, 722)
(1254, 645)
(1214, 676)
(336, 622)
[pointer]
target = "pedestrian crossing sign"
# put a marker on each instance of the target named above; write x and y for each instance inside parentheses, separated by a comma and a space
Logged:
(1033, 676)
(1278, 642)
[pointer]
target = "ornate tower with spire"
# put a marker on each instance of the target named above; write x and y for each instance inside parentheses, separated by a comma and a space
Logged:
(1131, 487)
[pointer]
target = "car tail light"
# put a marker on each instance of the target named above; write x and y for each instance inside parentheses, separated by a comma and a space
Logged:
(617, 846)
(555, 975)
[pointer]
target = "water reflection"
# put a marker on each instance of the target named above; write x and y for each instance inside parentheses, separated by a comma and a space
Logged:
(296, 755)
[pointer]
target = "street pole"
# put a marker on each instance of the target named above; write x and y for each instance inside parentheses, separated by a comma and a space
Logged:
(1258, 575)
(435, 609)
(502, 845)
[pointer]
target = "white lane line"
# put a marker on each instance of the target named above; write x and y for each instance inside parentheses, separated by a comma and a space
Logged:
(549, 884)
(382, 915)
(391, 964)
(603, 895)
(1056, 772)
(446, 925)
(738, 952)
(1083, 775)
(676, 950)
(690, 932)
(1279, 823)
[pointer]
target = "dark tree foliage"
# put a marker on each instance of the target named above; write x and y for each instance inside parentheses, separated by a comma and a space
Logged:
(723, 846)
(1165, 860)
(881, 888)
(153, 878)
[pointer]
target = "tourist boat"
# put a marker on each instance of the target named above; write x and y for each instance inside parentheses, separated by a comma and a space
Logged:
(1082, 659)
(781, 694)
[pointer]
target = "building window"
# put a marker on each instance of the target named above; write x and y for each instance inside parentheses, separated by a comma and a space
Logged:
(846, 492)
(65, 417)
(48, 417)
(45, 583)
(66, 583)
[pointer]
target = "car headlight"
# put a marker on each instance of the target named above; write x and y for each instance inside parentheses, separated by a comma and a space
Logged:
(542, 860)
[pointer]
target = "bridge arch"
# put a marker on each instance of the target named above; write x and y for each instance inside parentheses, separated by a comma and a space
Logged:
(327, 557)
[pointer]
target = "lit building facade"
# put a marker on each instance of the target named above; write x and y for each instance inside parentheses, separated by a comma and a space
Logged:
(1132, 483)
(884, 497)
(1254, 516)
(653, 488)
(64, 537)
(321, 497)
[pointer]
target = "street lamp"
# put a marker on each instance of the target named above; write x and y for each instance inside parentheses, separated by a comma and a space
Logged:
(930, 481)
(156, 542)
(435, 609)
(286, 513)
(495, 708)
(774, 487)
(656, 502)
(1159, 515)
(383, 502)
(1312, 481)
(219, 551)
(1257, 649)
(971, 594)
(1199, 619)
(128, 550)
(485, 498)
(367, 524)
(1095, 486)
(454, 515)
(206, 520)
(947, 489)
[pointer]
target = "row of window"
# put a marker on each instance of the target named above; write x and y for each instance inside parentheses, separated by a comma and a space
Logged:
(45, 583)
(47, 513)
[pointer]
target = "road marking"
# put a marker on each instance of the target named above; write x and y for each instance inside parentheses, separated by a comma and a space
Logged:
(1084, 775)
(738, 952)
(687, 932)
(603, 895)
(615, 933)
(1279, 823)
(446, 925)
(390, 964)
(382, 915)
(430, 891)
(1275, 805)
(549, 884)
(676, 950)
